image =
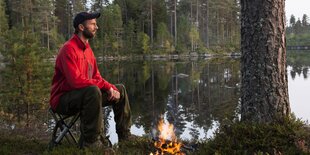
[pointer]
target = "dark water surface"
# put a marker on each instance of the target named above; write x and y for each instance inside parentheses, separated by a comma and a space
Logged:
(195, 96)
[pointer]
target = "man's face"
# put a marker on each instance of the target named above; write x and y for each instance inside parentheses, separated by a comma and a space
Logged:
(90, 28)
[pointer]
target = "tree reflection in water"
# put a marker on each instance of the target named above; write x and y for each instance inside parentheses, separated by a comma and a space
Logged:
(195, 96)
(299, 62)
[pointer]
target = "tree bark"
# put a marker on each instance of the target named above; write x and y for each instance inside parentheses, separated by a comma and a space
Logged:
(152, 36)
(264, 91)
(175, 24)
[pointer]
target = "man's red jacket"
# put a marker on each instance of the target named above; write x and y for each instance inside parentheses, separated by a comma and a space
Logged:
(75, 68)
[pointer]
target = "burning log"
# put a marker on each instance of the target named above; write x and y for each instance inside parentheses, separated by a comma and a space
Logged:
(166, 141)
(169, 147)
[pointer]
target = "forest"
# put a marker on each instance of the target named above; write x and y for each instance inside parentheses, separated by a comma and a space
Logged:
(32, 31)
(298, 31)
(131, 26)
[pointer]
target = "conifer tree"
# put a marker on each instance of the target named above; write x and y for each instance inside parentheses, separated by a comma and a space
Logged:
(26, 76)
(3, 19)
(264, 89)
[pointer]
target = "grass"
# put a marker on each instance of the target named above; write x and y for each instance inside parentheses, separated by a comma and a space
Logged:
(289, 137)
(18, 144)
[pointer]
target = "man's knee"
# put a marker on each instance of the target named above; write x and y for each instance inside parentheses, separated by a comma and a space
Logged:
(93, 91)
(122, 89)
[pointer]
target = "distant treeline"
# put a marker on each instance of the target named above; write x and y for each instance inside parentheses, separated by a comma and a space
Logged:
(131, 26)
(298, 31)
(31, 32)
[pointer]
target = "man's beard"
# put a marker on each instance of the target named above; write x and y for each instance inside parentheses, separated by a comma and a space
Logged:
(87, 34)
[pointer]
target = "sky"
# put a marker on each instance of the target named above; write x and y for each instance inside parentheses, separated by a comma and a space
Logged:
(297, 8)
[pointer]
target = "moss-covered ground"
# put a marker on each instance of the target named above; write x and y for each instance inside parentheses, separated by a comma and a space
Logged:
(288, 137)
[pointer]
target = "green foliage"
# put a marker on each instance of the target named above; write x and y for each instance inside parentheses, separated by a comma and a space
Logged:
(298, 39)
(66, 149)
(298, 31)
(194, 78)
(140, 146)
(146, 72)
(159, 14)
(56, 39)
(305, 20)
(130, 37)
(183, 40)
(219, 28)
(110, 30)
(194, 37)
(19, 144)
(3, 19)
(143, 43)
(224, 14)
(165, 74)
(15, 144)
(298, 58)
(194, 34)
(289, 137)
(26, 75)
(292, 21)
(3, 24)
(164, 40)
(37, 16)
(132, 8)
(121, 21)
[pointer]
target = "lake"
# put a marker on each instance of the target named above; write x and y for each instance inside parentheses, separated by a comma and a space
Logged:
(196, 96)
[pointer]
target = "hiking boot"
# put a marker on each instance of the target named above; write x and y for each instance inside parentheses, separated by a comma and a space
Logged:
(93, 145)
(98, 145)
(105, 140)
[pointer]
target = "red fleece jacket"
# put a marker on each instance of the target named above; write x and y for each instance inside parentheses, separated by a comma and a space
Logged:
(75, 68)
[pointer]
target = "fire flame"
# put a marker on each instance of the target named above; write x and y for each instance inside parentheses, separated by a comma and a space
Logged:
(167, 142)
(166, 131)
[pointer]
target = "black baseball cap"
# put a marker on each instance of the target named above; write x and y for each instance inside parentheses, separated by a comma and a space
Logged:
(82, 16)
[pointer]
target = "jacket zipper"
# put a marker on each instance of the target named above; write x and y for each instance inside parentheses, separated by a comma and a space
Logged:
(88, 66)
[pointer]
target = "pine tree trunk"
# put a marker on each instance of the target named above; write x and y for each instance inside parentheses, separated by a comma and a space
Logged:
(175, 24)
(207, 23)
(264, 91)
(152, 36)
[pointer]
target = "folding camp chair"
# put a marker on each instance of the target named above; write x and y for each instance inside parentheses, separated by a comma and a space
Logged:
(62, 128)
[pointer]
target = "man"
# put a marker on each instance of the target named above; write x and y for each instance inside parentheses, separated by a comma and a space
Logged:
(77, 86)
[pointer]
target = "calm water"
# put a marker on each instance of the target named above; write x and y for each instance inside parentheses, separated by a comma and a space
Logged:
(299, 83)
(196, 96)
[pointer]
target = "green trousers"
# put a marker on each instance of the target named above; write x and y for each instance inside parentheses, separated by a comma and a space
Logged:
(89, 102)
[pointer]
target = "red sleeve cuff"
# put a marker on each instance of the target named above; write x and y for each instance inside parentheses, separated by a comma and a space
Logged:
(113, 86)
(106, 86)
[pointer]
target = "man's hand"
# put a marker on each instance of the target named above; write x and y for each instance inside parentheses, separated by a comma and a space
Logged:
(113, 95)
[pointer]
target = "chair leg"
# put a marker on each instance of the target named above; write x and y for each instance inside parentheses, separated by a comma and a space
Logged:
(72, 122)
(53, 142)
(62, 129)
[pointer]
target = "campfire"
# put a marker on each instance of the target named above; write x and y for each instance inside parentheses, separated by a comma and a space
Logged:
(166, 142)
